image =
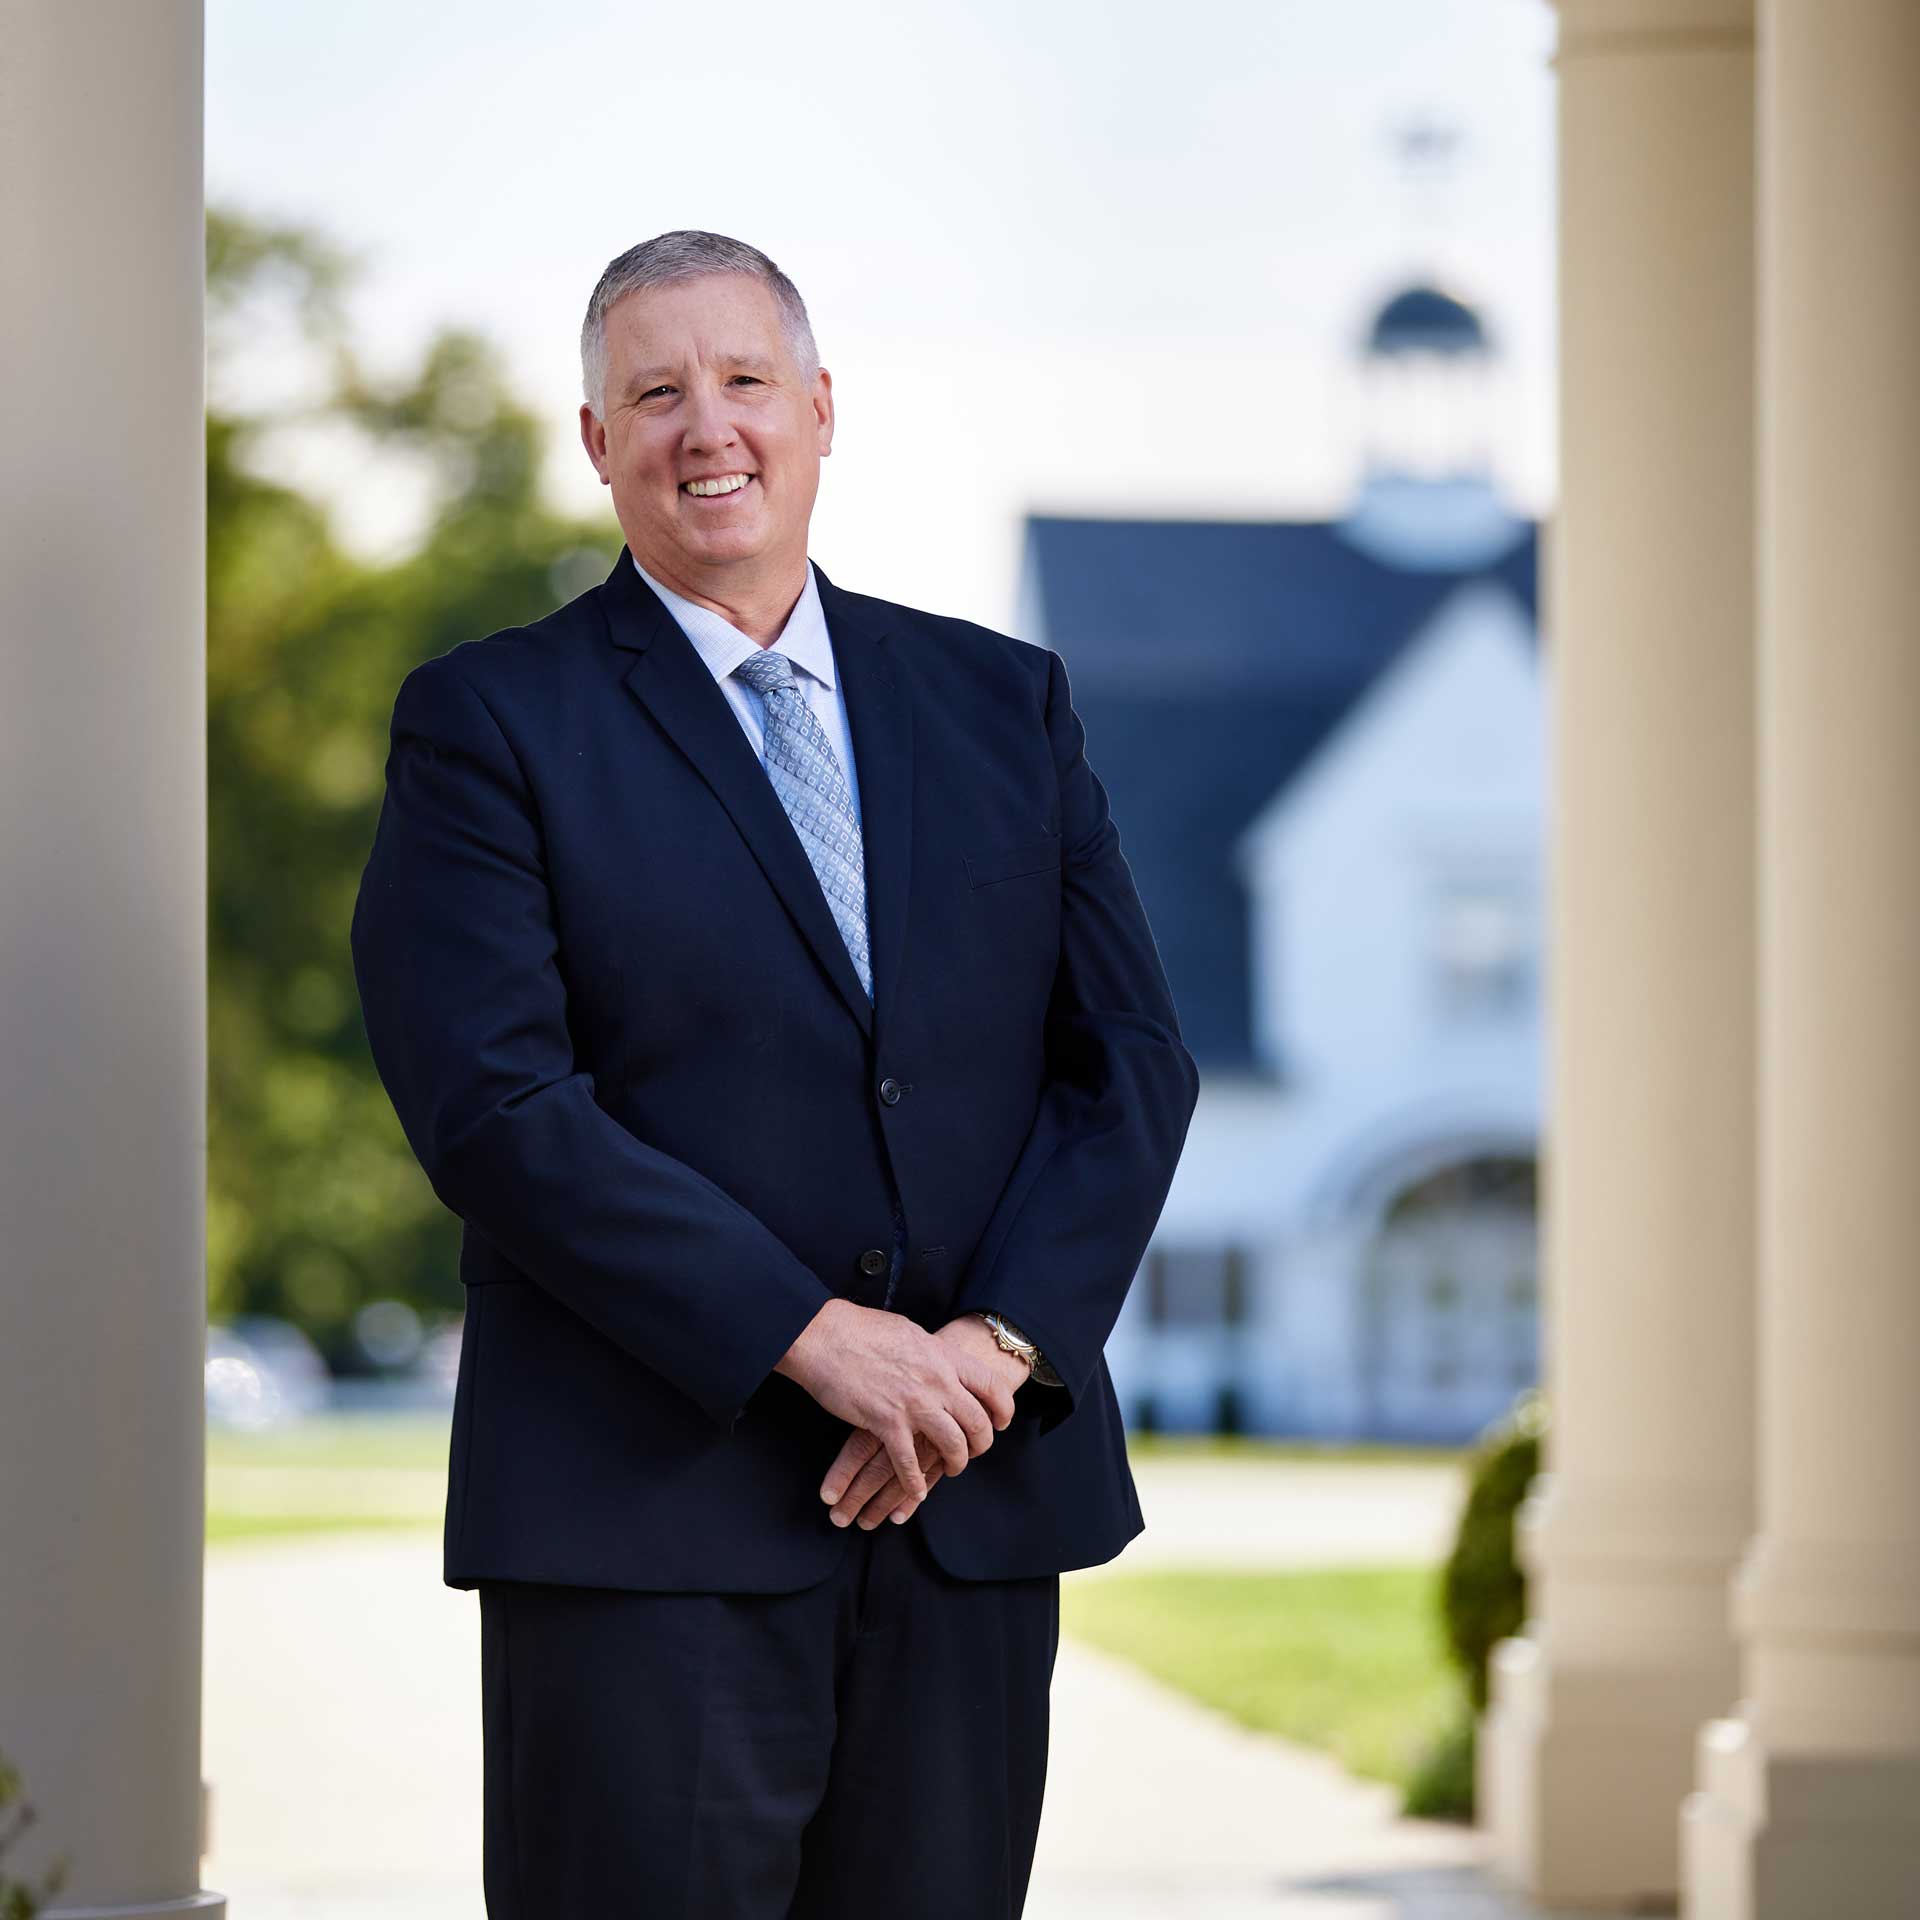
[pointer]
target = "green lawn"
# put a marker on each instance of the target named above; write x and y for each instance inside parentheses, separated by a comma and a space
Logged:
(327, 1475)
(1350, 1661)
(223, 1529)
(339, 1440)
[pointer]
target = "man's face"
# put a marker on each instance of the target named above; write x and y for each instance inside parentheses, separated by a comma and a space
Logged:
(701, 385)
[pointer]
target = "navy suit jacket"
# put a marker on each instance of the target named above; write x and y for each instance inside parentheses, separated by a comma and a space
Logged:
(623, 1037)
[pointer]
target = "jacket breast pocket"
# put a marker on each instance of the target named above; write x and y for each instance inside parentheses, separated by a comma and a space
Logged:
(1009, 863)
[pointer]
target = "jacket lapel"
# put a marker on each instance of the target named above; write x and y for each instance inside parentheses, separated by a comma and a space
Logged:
(880, 717)
(670, 680)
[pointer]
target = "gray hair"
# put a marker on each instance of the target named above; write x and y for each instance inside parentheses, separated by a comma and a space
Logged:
(669, 259)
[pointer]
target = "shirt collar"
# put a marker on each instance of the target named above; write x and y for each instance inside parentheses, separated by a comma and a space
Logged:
(722, 646)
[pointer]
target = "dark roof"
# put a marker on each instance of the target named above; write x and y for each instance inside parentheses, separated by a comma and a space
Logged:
(1209, 660)
(1425, 320)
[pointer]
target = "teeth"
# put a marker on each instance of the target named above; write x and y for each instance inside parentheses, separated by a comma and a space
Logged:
(731, 483)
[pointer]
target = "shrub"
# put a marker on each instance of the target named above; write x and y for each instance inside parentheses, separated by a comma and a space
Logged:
(1483, 1598)
(19, 1900)
(1483, 1593)
(1442, 1784)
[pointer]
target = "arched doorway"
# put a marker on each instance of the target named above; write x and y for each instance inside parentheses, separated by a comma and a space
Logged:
(1449, 1300)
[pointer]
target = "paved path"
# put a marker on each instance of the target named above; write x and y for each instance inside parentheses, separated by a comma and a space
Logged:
(342, 1734)
(1240, 1512)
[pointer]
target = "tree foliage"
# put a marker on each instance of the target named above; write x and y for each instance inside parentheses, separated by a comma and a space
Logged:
(315, 1204)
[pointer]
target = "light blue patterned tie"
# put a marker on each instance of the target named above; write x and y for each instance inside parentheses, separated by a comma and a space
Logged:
(812, 786)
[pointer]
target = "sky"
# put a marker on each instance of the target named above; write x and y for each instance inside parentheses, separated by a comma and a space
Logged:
(1059, 257)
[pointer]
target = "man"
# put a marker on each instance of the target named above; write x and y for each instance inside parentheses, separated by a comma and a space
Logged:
(754, 970)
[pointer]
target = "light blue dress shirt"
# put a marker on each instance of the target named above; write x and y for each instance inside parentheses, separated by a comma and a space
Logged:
(804, 640)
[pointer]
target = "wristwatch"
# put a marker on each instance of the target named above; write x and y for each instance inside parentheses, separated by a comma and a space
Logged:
(1012, 1340)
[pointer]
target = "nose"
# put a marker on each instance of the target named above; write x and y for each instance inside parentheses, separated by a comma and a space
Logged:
(709, 424)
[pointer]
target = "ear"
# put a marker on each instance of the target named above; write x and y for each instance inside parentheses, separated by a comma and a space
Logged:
(593, 436)
(823, 411)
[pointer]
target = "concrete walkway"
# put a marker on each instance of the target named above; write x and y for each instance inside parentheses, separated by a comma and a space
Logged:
(342, 1732)
(1245, 1512)
(342, 1738)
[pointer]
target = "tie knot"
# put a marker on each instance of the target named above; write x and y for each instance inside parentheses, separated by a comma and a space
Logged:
(767, 671)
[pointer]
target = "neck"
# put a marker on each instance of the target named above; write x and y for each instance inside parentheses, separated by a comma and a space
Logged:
(759, 603)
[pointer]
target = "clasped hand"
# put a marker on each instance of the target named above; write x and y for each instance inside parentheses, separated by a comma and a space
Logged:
(920, 1404)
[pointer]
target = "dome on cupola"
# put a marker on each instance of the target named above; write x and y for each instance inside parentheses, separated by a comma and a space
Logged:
(1422, 319)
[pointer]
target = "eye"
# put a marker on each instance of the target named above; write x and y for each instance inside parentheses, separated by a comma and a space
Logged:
(747, 377)
(648, 395)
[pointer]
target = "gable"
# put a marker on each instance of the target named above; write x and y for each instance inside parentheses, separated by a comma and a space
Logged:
(1210, 660)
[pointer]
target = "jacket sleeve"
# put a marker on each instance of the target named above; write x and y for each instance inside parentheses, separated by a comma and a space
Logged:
(1073, 1222)
(454, 952)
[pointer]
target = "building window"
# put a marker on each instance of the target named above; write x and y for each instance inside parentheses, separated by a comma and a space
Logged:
(1196, 1287)
(1482, 950)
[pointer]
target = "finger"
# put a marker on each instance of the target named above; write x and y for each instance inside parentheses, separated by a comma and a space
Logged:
(878, 1473)
(865, 1484)
(892, 1499)
(875, 1501)
(909, 1507)
(1000, 1397)
(860, 1447)
(976, 1423)
(991, 1392)
(875, 1474)
(993, 1408)
(878, 1505)
(906, 1458)
(951, 1440)
(995, 1395)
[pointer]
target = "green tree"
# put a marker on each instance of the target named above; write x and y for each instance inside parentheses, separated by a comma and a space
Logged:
(315, 1204)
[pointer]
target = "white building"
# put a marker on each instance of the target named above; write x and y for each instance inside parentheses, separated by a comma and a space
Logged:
(1323, 745)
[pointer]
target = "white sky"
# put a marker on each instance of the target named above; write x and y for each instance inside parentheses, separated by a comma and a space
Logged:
(1057, 255)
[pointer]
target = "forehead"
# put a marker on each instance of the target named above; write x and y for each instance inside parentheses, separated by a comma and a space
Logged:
(719, 316)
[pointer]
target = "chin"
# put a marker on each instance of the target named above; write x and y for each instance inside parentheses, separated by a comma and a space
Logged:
(731, 543)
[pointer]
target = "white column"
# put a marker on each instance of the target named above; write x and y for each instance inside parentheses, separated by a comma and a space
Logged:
(1631, 1534)
(1809, 1806)
(102, 945)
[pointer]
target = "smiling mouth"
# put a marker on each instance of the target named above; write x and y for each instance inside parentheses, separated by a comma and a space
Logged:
(721, 487)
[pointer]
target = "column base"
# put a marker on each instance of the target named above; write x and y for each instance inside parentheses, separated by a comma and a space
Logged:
(1804, 1836)
(1579, 1776)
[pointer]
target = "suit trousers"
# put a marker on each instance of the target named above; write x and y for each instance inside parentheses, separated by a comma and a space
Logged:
(872, 1745)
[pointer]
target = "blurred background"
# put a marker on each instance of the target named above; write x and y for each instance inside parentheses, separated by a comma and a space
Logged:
(1218, 361)
(1219, 358)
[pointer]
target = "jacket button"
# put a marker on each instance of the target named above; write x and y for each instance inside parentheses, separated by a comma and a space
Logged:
(873, 1261)
(890, 1092)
